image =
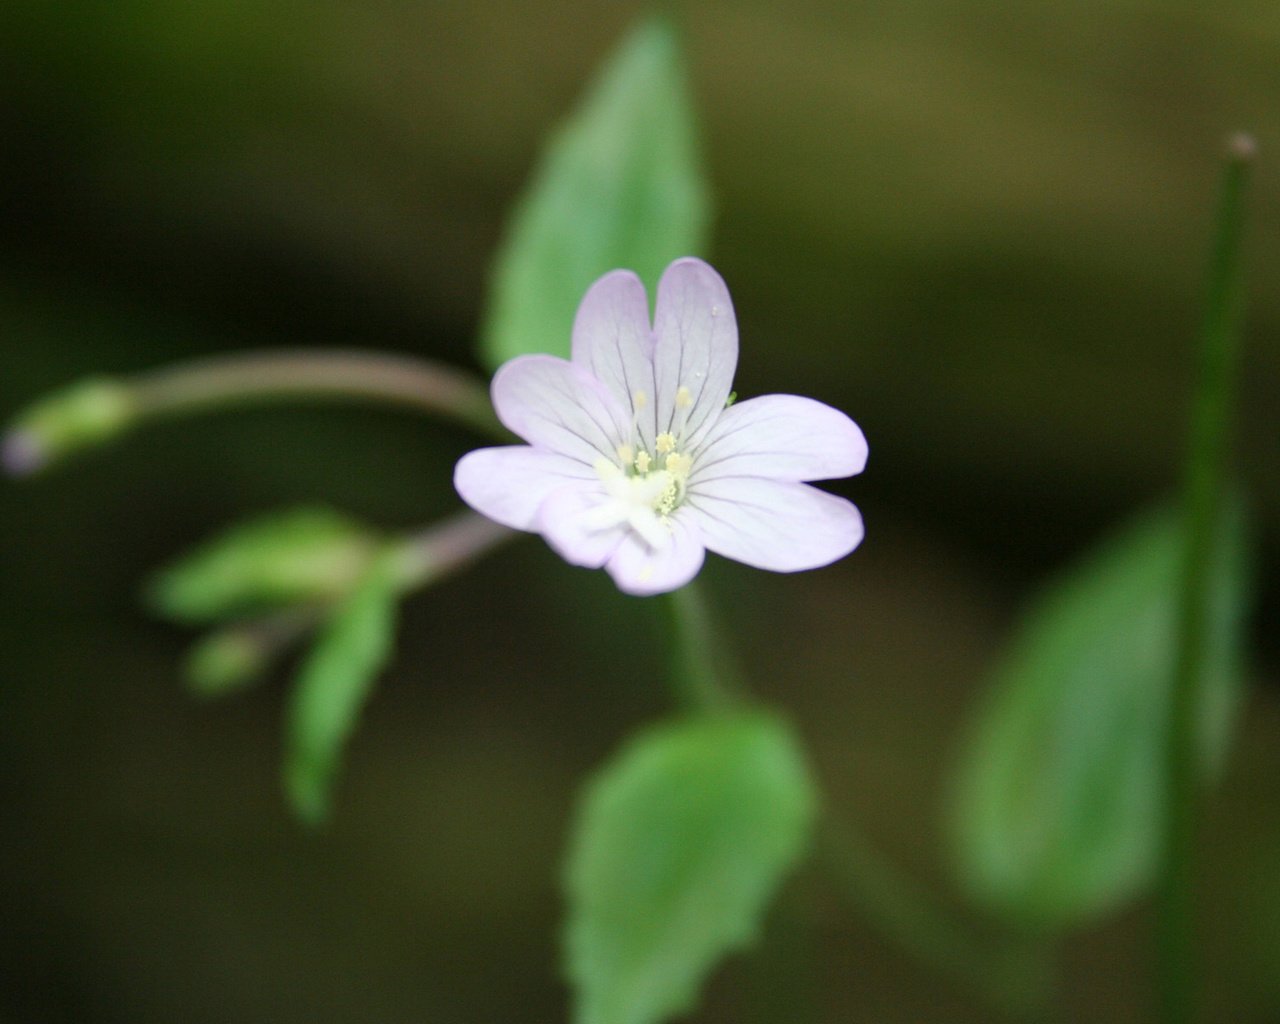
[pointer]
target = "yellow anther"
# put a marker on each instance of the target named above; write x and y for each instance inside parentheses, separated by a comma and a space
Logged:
(678, 464)
(642, 463)
(626, 453)
(667, 500)
(683, 398)
(666, 443)
(639, 399)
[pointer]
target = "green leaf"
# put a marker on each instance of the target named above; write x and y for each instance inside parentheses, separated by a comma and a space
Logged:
(332, 688)
(681, 842)
(303, 555)
(1060, 786)
(619, 185)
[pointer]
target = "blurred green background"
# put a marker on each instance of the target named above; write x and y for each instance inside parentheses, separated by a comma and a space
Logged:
(978, 228)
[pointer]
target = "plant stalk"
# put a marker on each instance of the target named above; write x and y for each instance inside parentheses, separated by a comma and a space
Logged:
(1211, 417)
(1009, 976)
(271, 376)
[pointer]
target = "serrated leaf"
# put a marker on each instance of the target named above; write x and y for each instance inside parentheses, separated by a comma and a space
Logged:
(619, 185)
(680, 844)
(302, 555)
(333, 685)
(1060, 787)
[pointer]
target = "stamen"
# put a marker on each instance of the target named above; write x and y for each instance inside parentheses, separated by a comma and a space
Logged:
(680, 416)
(642, 463)
(666, 443)
(626, 453)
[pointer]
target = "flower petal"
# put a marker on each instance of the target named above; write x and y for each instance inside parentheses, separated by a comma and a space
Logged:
(782, 437)
(696, 348)
(570, 520)
(774, 524)
(612, 339)
(509, 484)
(557, 405)
(640, 569)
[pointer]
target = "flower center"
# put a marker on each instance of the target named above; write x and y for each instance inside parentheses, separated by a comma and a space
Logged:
(643, 488)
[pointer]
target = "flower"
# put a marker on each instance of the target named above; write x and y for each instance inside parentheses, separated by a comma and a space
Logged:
(638, 461)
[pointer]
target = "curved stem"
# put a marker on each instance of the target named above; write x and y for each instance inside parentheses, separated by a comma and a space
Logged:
(238, 654)
(443, 548)
(1011, 977)
(271, 376)
(1202, 497)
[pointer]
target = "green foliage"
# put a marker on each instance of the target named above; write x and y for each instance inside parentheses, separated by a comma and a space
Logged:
(1060, 787)
(619, 185)
(680, 844)
(334, 683)
(303, 555)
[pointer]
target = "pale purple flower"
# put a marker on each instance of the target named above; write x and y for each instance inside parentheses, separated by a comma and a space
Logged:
(637, 462)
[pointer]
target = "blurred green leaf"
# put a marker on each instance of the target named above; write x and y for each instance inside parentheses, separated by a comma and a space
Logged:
(680, 844)
(332, 688)
(303, 555)
(619, 185)
(1059, 787)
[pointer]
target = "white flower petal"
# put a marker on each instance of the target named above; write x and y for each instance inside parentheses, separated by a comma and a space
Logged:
(640, 569)
(782, 437)
(612, 339)
(557, 405)
(510, 484)
(696, 348)
(570, 520)
(774, 524)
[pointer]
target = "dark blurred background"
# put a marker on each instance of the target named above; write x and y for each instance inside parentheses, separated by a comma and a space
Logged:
(980, 228)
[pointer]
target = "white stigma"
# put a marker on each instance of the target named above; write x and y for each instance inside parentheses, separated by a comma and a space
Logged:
(646, 485)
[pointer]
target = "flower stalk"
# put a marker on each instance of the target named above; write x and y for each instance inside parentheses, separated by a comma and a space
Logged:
(97, 411)
(237, 655)
(423, 558)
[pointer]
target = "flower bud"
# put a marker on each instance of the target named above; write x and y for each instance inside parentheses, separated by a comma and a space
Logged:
(89, 413)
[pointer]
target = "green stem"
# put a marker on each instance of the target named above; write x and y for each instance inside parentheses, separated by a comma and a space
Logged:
(274, 376)
(237, 655)
(1012, 978)
(1210, 422)
(702, 673)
